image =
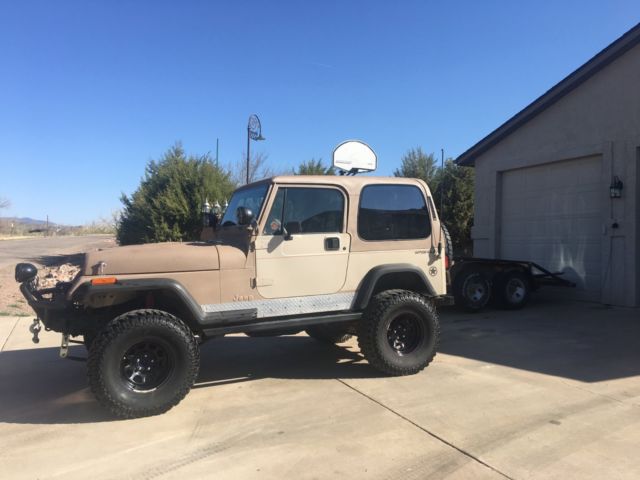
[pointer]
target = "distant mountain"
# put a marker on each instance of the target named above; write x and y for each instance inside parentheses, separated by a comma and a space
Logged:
(26, 221)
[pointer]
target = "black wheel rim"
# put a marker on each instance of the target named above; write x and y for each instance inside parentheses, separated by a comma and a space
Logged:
(405, 333)
(146, 365)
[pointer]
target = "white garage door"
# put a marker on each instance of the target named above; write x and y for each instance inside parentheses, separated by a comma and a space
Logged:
(551, 215)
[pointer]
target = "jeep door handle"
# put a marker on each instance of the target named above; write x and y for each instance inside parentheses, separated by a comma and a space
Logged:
(332, 243)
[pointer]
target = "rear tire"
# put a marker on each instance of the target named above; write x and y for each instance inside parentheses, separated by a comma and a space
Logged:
(399, 332)
(331, 334)
(143, 363)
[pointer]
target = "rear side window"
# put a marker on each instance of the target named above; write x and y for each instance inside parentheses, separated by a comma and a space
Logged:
(393, 212)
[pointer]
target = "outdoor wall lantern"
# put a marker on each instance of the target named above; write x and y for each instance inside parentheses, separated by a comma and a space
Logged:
(615, 189)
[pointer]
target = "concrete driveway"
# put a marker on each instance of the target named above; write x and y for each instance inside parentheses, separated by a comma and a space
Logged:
(552, 391)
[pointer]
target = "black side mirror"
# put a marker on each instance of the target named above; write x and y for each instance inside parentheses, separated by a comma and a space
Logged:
(25, 272)
(244, 216)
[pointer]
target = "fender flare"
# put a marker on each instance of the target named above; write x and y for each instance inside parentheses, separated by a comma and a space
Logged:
(197, 317)
(373, 276)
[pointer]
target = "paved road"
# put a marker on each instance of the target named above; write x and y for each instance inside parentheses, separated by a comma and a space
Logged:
(31, 249)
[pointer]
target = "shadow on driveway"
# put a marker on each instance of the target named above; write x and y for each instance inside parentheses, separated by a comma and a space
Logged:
(580, 341)
(583, 342)
(36, 386)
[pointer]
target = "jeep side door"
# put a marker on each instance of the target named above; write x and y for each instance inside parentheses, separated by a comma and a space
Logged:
(303, 248)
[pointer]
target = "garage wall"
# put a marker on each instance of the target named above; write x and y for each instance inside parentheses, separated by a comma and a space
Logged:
(601, 118)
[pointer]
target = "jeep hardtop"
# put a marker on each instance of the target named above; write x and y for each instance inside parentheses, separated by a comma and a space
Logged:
(334, 256)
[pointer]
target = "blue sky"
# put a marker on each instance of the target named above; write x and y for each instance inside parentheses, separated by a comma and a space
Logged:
(91, 91)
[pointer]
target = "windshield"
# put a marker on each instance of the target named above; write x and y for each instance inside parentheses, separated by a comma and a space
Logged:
(251, 198)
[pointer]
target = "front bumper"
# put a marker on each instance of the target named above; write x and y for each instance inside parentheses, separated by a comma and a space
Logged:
(50, 304)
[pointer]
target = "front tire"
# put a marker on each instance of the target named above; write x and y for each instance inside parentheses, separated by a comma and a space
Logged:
(399, 332)
(143, 363)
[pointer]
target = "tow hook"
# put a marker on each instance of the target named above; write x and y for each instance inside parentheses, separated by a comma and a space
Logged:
(35, 328)
(64, 347)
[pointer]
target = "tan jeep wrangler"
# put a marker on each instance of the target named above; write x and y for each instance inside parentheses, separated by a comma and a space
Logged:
(332, 255)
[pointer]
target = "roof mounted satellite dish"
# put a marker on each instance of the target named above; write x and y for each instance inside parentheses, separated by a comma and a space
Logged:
(354, 156)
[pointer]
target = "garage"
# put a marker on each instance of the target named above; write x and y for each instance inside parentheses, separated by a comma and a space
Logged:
(552, 215)
(558, 183)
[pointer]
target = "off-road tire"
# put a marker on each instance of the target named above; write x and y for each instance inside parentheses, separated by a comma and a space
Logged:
(107, 368)
(471, 290)
(512, 290)
(328, 333)
(448, 243)
(386, 309)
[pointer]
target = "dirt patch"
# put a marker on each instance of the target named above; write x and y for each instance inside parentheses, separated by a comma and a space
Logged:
(12, 303)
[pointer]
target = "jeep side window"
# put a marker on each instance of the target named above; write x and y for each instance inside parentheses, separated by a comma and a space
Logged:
(393, 212)
(306, 210)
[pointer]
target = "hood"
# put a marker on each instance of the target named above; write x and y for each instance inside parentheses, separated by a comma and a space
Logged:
(162, 258)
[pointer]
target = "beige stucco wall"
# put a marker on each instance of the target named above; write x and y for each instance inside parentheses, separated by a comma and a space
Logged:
(600, 117)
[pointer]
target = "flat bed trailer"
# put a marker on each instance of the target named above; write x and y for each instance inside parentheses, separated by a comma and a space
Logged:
(476, 281)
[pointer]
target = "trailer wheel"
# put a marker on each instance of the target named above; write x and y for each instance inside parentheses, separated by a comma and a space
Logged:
(472, 290)
(513, 290)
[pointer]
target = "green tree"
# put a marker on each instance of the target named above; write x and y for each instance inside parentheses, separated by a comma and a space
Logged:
(314, 167)
(167, 204)
(454, 196)
(417, 164)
